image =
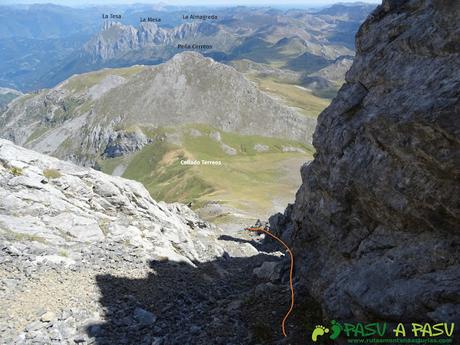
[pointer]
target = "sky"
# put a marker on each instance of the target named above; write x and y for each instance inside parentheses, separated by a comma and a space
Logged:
(300, 3)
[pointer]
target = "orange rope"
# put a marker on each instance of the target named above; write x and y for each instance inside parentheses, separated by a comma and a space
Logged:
(283, 323)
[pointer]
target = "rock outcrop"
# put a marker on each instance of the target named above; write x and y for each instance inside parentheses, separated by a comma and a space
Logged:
(375, 225)
(150, 41)
(61, 205)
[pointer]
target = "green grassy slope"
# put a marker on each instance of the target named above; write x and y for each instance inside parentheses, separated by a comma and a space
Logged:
(251, 180)
(6, 98)
(248, 181)
(293, 95)
(84, 81)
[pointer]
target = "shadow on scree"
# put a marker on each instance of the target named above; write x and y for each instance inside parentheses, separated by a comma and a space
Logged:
(176, 303)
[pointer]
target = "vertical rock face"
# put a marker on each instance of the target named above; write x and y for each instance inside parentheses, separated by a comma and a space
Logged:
(375, 225)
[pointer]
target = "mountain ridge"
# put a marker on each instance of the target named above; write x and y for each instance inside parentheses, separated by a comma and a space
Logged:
(73, 45)
(194, 82)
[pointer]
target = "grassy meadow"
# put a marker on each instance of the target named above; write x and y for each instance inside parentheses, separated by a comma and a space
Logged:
(249, 181)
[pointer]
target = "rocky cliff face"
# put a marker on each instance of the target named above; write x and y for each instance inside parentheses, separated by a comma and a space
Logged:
(375, 225)
(149, 41)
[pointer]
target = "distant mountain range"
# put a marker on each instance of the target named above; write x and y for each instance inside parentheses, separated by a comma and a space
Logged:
(42, 45)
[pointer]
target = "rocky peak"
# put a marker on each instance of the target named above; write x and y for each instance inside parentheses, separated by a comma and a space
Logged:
(150, 33)
(87, 116)
(375, 222)
(109, 23)
(117, 39)
(189, 29)
(113, 39)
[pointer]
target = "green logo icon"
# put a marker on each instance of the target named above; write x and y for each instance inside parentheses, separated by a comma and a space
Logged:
(320, 330)
(336, 329)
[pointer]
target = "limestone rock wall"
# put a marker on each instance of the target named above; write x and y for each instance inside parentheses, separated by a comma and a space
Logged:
(375, 225)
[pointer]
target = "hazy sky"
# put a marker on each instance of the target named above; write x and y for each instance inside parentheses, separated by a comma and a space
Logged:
(300, 3)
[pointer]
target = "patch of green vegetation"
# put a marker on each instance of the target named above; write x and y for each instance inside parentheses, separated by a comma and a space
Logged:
(241, 65)
(66, 145)
(292, 47)
(51, 174)
(85, 81)
(70, 104)
(165, 179)
(244, 144)
(249, 180)
(261, 51)
(85, 107)
(22, 99)
(307, 63)
(328, 93)
(66, 111)
(127, 71)
(104, 226)
(16, 171)
(6, 98)
(63, 253)
(257, 50)
(294, 95)
(224, 218)
(146, 161)
(38, 132)
(108, 165)
(22, 237)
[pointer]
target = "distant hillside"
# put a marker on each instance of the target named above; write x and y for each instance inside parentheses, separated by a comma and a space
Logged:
(7, 95)
(349, 17)
(284, 44)
(349, 11)
(44, 21)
